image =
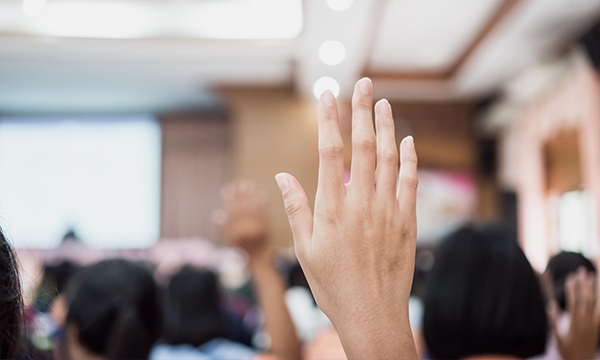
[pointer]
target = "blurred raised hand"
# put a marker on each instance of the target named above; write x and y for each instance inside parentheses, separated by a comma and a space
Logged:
(244, 218)
(580, 341)
(358, 250)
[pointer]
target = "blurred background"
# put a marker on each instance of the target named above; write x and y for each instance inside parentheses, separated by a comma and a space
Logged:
(121, 120)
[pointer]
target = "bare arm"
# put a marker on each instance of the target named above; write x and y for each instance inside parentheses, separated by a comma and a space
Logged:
(245, 223)
(581, 340)
(358, 250)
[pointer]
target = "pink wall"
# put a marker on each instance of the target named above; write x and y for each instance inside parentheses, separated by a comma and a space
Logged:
(573, 105)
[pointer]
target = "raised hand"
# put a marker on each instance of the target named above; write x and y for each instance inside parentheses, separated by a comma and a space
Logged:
(581, 340)
(244, 219)
(358, 250)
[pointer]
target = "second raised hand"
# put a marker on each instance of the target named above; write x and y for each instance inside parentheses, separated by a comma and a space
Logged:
(358, 250)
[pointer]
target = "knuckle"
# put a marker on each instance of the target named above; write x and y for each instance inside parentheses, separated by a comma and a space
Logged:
(410, 181)
(365, 144)
(332, 150)
(361, 105)
(388, 158)
(293, 206)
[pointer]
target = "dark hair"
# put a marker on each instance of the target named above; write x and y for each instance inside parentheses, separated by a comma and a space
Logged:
(54, 283)
(483, 297)
(116, 309)
(560, 266)
(11, 301)
(192, 311)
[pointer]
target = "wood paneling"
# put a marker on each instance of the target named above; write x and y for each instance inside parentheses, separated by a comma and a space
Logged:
(196, 162)
(274, 130)
(443, 133)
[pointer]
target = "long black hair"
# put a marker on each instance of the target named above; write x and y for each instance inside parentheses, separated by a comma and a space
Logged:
(11, 301)
(115, 307)
(483, 297)
(193, 314)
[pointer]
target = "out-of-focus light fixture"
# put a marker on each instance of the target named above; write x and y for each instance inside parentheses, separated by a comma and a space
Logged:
(133, 19)
(33, 8)
(332, 52)
(325, 83)
(339, 5)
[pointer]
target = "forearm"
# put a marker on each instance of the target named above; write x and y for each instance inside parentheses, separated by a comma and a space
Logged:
(271, 295)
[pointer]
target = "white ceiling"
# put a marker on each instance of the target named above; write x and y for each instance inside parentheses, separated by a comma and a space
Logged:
(428, 35)
(170, 68)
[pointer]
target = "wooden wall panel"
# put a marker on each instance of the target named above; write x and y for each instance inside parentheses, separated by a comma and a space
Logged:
(196, 162)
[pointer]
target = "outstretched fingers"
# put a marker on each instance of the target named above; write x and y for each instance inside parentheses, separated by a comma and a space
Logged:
(364, 143)
(387, 152)
(331, 149)
(407, 188)
(297, 210)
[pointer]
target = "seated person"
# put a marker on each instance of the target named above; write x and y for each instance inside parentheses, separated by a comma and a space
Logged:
(114, 312)
(201, 334)
(572, 307)
(483, 298)
(195, 322)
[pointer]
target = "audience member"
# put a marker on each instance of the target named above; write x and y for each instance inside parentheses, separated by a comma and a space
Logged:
(559, 268)
(572, 308)
(114, 312)
(195, 322)
(11, 301)
(53, 284)
(483, 298)
(196, 328)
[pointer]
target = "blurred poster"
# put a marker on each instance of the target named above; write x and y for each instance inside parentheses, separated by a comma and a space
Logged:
(446, 200)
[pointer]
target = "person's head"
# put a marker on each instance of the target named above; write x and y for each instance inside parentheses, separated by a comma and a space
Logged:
(560, 266)
(192, 308)
(114, 312)
(54, 283)
(11, 301)
(483, 298)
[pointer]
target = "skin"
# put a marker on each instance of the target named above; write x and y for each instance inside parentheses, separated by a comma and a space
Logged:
(245, 223)
(581, 340)
(358, 249)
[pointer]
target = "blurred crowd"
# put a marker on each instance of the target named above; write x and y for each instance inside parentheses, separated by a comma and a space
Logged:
(475, 295)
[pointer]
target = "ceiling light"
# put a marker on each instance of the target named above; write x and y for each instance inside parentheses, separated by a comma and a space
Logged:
(33, 8)
(339, 5)
(326, 83)
(332, 52)
(132, 19)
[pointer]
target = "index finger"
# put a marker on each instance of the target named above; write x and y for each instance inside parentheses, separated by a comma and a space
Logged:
(331, 148)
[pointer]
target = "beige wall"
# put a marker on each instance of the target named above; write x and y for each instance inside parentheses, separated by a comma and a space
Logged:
(274, 131)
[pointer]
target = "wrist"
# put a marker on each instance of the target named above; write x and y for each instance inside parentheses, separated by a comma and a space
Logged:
(370, 337)
(262, 256)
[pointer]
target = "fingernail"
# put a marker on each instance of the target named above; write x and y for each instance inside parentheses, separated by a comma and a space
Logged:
(283, 183)
(365, 86)
(384, 106)
(327, 97)
(410, 142)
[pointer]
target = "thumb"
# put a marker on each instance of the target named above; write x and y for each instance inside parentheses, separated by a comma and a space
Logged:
(297, 210)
